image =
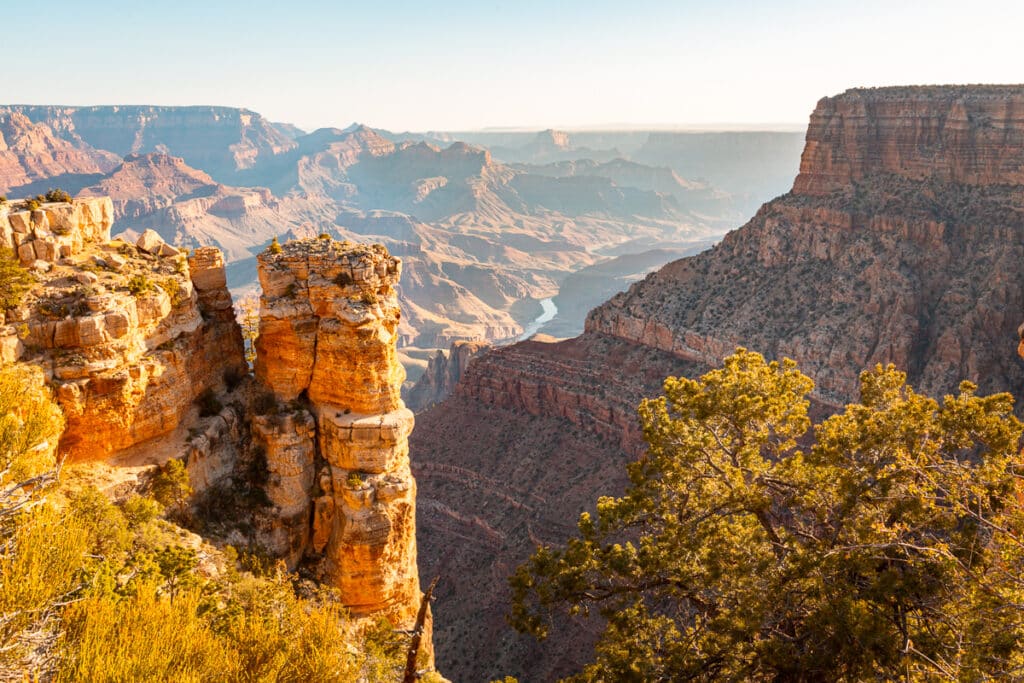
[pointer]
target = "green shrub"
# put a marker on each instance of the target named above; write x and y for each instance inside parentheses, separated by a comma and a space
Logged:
(140, 284)
(174, 290)
(275, 247)
(369, 297)
(15, 281)
(33, 204)
(57, 195)
(170, 485)
(140, 510)
(323, 236)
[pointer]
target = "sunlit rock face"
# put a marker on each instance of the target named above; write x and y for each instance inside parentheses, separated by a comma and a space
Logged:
(337, 447)
(130, 336)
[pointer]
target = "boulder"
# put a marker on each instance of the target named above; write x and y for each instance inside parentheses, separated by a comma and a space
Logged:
(150, 242)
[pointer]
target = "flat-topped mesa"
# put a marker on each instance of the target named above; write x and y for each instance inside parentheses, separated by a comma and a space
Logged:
(972, 135)
(339, 454)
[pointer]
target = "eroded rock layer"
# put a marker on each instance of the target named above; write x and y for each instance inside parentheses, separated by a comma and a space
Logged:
(336, 431)
(130, 337)
(900, 242)
(896, 245)
(442, 374)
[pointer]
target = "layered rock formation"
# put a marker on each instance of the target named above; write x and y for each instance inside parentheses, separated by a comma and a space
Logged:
(444, 370)
(130, 338)
(33, 151)
(900, 242)
(220, 140)
(895, 245)
(480, 239)
(335, 431)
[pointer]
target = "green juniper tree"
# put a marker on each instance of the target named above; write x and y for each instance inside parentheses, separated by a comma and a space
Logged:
(890, 549)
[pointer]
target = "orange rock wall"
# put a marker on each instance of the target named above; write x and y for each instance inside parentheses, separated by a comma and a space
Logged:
(328, 330)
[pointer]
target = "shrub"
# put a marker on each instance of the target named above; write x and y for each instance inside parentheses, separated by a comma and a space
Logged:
(15, 281)
(323, 236)
(3, 199)
(140, 510)
(369, 297)
(170, 485)
(33, 204)
(884, 545)
(140, 284)
(57, 195)
(208, 403)
(275, 247)
(343, 279)
(174, 290)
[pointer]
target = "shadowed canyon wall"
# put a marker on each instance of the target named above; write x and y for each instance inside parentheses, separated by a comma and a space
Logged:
(900, 242)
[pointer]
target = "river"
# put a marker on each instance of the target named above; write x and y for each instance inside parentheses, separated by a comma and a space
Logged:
(548, 313)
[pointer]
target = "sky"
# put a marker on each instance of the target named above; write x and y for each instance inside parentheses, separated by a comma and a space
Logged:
(455, 65)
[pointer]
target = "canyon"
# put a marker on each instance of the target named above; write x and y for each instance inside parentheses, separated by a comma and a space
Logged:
(484, 235)
(897, 243)
(306, 461)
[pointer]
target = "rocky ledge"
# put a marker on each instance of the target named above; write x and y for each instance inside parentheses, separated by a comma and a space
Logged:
(129, 334)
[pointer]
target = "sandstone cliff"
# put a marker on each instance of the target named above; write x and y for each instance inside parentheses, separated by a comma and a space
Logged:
(335, 431)
(900, 242)
(130, 337)
(895, 245)
(220, 140)
(442, 374)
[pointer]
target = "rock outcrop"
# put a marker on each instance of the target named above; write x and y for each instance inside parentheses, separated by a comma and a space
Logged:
(895, 245)
(220, 140)
(444, 370)
(900, 242)
(33, 151)
(129, 339)
(335, 431)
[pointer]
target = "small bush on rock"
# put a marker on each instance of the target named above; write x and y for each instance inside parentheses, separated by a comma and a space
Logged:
(15, 281)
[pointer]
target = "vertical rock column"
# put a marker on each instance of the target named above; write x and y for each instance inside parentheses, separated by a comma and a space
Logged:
(328, 329)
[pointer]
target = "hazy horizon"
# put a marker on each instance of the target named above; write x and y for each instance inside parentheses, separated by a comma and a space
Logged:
(475, 66)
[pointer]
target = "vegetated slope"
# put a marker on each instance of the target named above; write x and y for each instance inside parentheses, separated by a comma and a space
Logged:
(900, 242)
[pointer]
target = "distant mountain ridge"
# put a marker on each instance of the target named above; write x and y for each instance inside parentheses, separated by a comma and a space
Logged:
(483, 240)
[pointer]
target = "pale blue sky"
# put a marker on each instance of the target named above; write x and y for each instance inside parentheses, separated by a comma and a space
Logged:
(464, 65)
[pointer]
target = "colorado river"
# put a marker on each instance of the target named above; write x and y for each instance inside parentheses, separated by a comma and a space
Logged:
(547, 315)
